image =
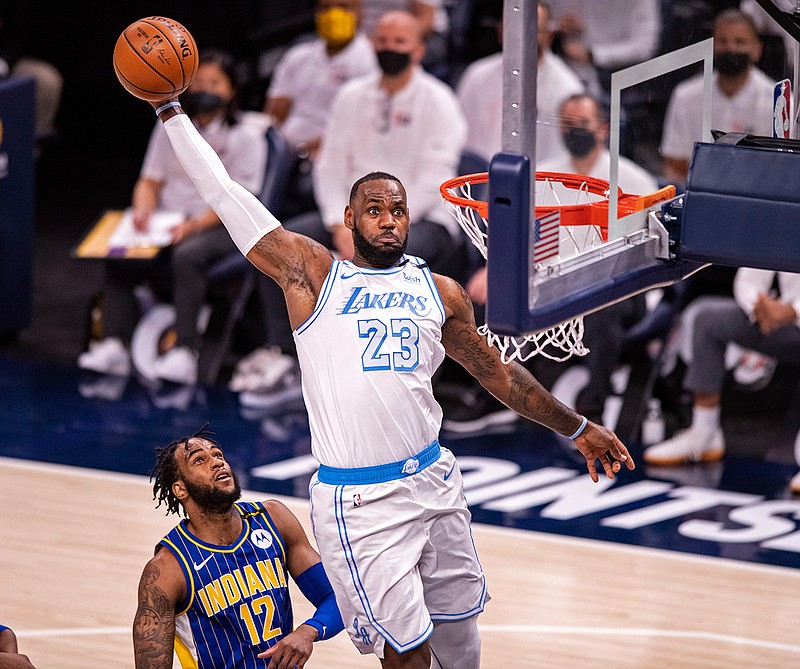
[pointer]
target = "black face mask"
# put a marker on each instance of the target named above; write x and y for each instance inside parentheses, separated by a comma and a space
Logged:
(393, 62)
(580, 142)
(731, 63)
(201, 103)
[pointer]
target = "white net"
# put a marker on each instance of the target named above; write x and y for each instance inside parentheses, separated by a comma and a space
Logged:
(559, 342)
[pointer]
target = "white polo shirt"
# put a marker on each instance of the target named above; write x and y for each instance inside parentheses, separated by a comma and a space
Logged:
(311, 79)
(480, 92)
(633, 179)
(416, 135)
(750, 111)
(242, 148)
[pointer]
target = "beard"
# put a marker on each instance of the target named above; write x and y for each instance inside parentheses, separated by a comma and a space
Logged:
(212, 500)
(377, 255)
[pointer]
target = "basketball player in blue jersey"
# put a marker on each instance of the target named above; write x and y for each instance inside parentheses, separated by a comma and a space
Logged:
(216, 592)
(387, 503)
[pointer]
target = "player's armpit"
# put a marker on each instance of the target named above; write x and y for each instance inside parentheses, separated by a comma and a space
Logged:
(298, 264)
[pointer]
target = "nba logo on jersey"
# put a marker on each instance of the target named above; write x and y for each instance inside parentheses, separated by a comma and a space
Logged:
(261, 539)
(356, 500)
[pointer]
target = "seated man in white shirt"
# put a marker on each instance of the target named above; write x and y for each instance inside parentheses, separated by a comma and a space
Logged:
(584, 147)
(598, 38)
(584, 131)
(756, 318)
(403, 121)
(307, 79)
(741, 99)
(480, 92)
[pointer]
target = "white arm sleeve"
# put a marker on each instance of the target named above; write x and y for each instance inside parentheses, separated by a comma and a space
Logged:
(242, 213)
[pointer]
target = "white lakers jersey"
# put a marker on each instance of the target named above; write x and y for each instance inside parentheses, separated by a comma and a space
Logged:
(367, 354)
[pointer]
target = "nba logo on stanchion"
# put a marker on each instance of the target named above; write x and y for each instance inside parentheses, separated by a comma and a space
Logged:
(545, 240)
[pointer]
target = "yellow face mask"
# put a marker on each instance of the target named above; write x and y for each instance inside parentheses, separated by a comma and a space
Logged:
(336, 25)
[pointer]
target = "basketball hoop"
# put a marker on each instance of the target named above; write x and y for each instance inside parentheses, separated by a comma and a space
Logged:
(578, 206)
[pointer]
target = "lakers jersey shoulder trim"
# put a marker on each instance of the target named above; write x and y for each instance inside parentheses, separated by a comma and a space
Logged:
(324, 294)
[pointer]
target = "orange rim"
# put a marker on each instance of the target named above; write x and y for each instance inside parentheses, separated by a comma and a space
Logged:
(575, 181)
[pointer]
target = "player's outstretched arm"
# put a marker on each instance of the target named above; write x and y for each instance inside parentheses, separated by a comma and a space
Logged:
(160, 588)
(517, 388)
(304, 565)
(288, 258)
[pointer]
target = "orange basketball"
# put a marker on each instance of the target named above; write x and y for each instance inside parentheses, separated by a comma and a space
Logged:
(155, 58)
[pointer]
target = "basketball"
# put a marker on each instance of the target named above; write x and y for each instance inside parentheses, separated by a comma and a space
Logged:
(155, 58)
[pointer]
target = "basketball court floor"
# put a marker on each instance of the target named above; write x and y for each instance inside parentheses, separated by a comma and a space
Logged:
(697, 567)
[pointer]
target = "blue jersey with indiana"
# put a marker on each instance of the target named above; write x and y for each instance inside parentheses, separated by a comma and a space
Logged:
(237, 603)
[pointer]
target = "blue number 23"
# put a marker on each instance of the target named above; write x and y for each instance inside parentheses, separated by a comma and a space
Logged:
(404, 329)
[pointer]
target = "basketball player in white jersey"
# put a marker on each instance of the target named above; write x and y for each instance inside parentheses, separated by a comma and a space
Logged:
(387, 503)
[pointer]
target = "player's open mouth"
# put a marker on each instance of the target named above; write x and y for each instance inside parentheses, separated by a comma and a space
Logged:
(224, 476)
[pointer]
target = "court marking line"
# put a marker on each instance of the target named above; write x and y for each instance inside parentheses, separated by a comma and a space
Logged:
(730, 563)
(574, 630)
(621, 632)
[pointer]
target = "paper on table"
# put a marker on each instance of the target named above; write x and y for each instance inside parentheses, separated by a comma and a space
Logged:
(159, 233)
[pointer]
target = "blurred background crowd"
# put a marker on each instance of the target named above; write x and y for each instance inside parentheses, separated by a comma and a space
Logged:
(314, 93)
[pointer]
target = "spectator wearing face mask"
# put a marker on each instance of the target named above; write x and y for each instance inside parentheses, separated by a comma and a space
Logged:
(401, 120)
(480, 91)
(741, 97)
(584, 132)
(179, 273)
(307, 79)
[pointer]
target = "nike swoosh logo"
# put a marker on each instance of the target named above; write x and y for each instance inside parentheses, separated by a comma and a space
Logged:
(198, 567)
(349, 276)
(447, 476)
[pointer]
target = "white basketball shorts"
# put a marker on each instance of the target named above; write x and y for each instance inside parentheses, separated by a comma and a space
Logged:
(400, 552)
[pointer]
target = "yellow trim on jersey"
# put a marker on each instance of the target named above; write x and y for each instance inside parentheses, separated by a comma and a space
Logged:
(214, 549)
(179, 553)
(276, 535)
(185, 656)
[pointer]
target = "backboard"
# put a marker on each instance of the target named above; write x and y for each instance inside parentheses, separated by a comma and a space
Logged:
(527, 296)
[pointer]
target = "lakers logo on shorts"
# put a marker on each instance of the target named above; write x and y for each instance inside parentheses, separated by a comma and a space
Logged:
(361, 633)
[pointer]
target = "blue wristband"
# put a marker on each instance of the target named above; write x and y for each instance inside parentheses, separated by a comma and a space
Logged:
(166, 106)
(580, 430)
(316, 588)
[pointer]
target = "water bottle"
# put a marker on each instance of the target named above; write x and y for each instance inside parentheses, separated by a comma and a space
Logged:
(653, 423)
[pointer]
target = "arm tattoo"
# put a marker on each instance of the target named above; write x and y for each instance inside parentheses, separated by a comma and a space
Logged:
(529, 398)
(512, 384)
(467, 349)
(154, 624)
(293, 267)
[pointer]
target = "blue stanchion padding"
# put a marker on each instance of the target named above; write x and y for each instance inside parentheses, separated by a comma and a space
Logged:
(17, 180)
(742, 207)
(508, 243)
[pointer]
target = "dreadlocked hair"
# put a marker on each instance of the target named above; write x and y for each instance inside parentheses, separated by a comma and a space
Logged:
(165, 472)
